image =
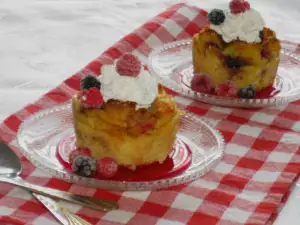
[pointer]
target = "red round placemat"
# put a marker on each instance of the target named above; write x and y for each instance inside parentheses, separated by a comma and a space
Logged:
(178, 161)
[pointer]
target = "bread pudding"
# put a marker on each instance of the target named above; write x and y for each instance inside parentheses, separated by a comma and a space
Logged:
(131, 137)
(128, 118)
(235, 55)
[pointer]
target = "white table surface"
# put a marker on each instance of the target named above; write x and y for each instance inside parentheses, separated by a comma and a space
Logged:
(43, 42)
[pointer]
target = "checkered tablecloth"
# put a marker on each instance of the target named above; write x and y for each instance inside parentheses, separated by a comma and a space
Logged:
(249, 186)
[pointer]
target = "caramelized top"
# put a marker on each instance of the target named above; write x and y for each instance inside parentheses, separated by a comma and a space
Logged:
(237, 54)
(125, 115)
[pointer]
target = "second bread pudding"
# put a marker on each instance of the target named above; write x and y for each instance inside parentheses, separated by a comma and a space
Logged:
(236, 54)
(124, 115)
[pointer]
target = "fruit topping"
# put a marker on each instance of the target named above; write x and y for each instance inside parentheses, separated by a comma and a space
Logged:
(216, 16)
(89, 81)
(261, 35)
(239, 6)
(107, 167)
(247, 92)
(146, 127)
(128, 65)
(265, 53)
(84, 166)
(77, 152)
(234, 62)
(227, 89)
(91, 98)
(201, 83)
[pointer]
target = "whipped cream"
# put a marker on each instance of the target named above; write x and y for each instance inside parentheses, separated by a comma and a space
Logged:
(142, 89)
(243, 26)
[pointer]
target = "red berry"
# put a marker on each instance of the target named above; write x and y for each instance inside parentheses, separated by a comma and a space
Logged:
(227, 89)
(91, 98)
(129, 65)
(107, 167)
(239, 6)
(246, 5)
(77, 152)
(201, 83)
(146, 127)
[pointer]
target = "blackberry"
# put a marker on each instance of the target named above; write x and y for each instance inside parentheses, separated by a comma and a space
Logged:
(247, 92)
(261, 35)
(84, 166)
(234, 62)
(89, 81)
(216, 16)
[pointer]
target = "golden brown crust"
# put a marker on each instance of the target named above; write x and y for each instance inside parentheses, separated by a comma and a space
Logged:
(132, 137)
(259, 60)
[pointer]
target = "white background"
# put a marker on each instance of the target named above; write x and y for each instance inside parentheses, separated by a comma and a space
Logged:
(43, 42)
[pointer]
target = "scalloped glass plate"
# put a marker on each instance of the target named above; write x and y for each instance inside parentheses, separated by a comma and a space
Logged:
(40, 134)
(172, 64)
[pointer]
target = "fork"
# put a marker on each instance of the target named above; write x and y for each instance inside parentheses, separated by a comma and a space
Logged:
(63, 215)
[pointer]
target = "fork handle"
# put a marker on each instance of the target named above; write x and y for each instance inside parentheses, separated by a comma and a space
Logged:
(90, 202)
(53, 207)
(61, 214)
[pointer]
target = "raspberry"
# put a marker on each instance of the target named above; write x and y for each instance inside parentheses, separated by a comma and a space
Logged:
(84, 166)
(91, 98)
(107, 167)
(201, 83)
(216, 16)
(77, 152)
(89, 81)
(128, 65)
(146, 127)
(239, 6)
(247, 92)
(227, 89)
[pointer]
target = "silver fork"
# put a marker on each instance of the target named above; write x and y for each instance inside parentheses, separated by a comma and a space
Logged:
(63, 215)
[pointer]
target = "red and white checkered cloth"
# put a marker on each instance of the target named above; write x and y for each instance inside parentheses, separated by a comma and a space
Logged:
(249, 186)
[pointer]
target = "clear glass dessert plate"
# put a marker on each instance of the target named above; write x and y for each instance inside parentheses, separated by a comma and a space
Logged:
(39, 136)
(172, 64)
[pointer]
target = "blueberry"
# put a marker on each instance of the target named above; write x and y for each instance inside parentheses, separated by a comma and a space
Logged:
(84, 166)
(89, 81)
(247, 92)
(216, 16)
(234, 62)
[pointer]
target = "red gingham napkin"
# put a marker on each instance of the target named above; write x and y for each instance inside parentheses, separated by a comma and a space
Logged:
(249, 186)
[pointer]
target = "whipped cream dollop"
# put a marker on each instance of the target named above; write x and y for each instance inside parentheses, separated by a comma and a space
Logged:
(243, 26)
(142, 89)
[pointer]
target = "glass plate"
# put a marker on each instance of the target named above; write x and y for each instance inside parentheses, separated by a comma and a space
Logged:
(172, 64)
(40, 134)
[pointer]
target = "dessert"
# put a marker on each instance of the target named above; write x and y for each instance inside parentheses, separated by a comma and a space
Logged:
(235, 51)
(122, 118)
